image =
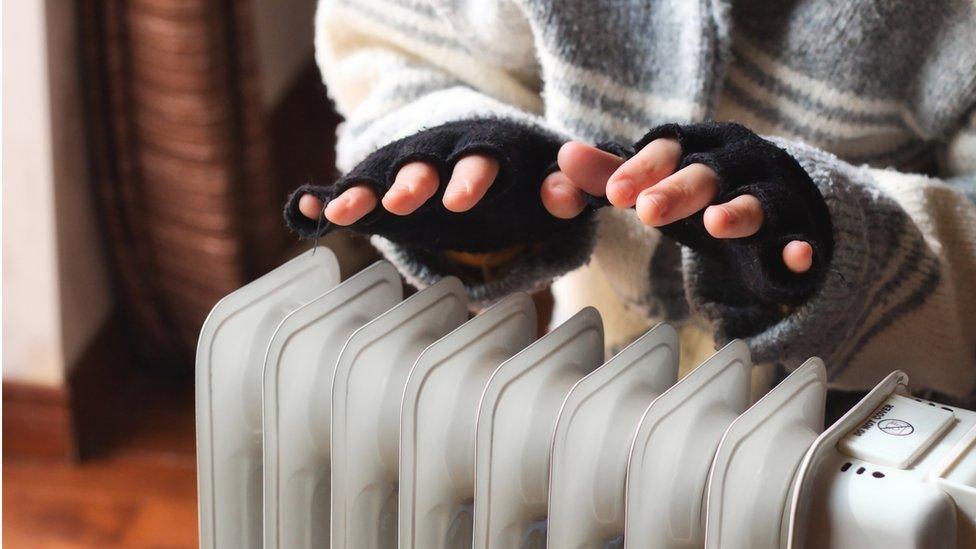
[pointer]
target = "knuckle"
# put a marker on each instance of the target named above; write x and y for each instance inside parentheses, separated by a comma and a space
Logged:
(652, 168)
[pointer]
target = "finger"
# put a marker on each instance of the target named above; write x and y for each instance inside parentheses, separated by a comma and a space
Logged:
(471, 179)
(561, 197)
(350, 206)
(414, 184)
(678, 195)
(649, 166)
(740, 217)
(310, 206)
(587, 167)
(798, 256)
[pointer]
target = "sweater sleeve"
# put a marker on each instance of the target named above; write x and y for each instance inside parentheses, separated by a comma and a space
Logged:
(399, 73)
(899, 289)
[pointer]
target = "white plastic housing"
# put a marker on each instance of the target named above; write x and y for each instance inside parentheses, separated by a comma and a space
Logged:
(298, 376)
(594, 433)
(427, 422)
(516, 421)
(748, 489)
(955, 474)
(438, 419)
(370, 377)
(673, 451)
(843, 500)
(229, 372)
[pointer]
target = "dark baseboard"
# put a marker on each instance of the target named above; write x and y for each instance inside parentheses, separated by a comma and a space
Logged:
(36, 422)
(100, 385)
(74, 420)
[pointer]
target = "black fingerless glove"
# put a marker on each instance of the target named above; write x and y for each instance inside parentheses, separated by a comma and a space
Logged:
(510, 213)
(749, 270)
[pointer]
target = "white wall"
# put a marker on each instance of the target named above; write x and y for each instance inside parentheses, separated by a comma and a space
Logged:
(31, 321)
(55, 292)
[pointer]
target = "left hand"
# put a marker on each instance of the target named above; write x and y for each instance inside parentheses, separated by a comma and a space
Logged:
(660, 195)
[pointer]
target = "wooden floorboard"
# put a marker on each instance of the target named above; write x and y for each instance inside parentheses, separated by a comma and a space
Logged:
(137, 492)
(36, 421)
(125, 503)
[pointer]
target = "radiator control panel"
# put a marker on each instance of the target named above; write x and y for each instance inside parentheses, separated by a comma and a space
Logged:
(897, 432)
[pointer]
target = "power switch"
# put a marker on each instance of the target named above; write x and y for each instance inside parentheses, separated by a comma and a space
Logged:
(897, 432)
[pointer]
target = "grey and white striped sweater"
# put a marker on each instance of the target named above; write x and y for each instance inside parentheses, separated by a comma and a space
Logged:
(867, 96)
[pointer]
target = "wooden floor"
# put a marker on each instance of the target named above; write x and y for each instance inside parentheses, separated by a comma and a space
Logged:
(140, 492)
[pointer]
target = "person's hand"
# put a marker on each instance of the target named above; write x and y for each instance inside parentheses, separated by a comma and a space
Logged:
(649, 182)
(469, 186)
(415, 184)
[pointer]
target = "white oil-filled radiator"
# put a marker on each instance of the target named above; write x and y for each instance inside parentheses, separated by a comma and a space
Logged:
(337, 414)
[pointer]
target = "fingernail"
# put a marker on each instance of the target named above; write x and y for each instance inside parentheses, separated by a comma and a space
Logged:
(399, 187)
(727, 213)
(403, 182)
(569, 192)
(623, 189)
(657, 203)
(462, 187)
(334, 207)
